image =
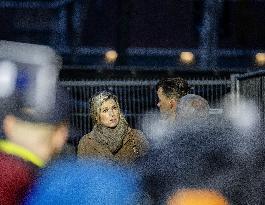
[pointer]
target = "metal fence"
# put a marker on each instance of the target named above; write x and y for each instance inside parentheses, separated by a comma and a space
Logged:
(251, 87)
(136, 97)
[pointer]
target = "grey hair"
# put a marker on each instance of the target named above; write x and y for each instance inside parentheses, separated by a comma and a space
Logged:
(193, 106)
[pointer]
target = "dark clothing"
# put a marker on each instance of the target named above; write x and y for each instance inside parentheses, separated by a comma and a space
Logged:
(213, 155)
(133, 147)
(18, 171)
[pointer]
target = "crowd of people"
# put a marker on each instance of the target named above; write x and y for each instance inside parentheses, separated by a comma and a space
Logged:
(199, 159)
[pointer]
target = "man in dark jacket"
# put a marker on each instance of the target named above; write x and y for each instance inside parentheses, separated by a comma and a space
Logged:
(34, 127)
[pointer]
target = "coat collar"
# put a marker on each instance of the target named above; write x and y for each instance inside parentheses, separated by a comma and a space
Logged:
(19, 151)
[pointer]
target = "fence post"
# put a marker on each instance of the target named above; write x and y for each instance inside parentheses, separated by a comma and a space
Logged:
(235, 89)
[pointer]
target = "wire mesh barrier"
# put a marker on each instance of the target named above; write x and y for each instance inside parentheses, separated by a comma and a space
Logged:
(250, 87)
(137, 98)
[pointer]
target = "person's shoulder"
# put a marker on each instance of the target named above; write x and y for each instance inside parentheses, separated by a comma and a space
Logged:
(139, 139)
(16, 165)
(86, 138)
(138, 135)
(85, 145)
(136, 132)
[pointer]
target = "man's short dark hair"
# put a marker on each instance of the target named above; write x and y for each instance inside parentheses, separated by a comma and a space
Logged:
(173, 87)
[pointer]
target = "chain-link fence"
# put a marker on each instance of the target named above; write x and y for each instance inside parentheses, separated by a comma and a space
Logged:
(251, 87)
(136, 97)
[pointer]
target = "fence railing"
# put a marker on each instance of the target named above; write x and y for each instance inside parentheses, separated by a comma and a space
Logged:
(251, 87)
(136, 98)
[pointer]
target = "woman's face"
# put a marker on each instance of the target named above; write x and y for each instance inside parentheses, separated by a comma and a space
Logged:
(109, 113)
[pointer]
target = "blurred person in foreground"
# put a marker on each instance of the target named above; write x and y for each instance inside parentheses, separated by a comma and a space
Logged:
(111, 136)
(208, 155)
(34, 126)
(89, 182)
(169, 92)
(197, 197)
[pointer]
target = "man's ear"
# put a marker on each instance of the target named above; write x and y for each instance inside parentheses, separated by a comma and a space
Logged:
(60, 137)
(8, 125)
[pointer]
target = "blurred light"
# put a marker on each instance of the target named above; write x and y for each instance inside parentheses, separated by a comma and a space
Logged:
(187, 58)
(111, 56)
(8, 75)
(260, 59)
(197, 197)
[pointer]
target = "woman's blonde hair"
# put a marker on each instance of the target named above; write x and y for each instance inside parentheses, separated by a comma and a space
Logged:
(96, 102)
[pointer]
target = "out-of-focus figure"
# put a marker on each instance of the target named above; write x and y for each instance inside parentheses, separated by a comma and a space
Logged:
(169, 91)
(90, 182)
(212, 154)
(34, 125)
(111, 136)
(197, 197)
(192, 107)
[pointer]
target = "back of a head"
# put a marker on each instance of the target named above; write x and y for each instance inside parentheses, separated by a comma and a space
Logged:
(192, 106)
(174, 87)
(88, 182)
(197, 197)
(29, 75)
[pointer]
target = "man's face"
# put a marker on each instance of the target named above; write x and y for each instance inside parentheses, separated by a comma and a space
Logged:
(164, 104)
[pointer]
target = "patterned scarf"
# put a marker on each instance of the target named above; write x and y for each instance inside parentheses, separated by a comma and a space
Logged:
(112, 138)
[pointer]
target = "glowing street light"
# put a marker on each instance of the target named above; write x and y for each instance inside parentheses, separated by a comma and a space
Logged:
(111, 56)
(260, 59)
(187, 58)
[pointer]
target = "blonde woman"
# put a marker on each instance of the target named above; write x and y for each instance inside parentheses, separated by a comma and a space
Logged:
(111, 136)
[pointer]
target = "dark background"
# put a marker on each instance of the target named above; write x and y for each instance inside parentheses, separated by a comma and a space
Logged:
(148, 35)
